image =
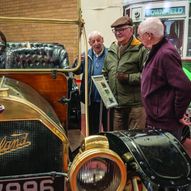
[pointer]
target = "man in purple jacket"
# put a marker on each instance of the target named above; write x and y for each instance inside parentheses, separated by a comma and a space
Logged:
(165, 89)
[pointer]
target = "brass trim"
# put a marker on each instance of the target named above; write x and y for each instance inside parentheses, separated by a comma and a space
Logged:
(18, 141)
(82, 158)
(95, 141)
(86, 88)
(128, 157)
(65, 157)
(4, 92)
(53, 127)
(79, 21)
(42, 70)
(57, 130)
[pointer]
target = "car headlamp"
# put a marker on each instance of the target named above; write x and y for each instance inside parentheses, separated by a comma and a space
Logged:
(97, 167)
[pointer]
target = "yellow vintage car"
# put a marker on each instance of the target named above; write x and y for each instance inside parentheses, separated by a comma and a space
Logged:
(39, 104)
(35, 152)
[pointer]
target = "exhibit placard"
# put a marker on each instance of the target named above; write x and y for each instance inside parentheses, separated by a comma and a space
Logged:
(104, 91)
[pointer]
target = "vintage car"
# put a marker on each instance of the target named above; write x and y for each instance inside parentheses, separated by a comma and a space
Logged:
(37, 109)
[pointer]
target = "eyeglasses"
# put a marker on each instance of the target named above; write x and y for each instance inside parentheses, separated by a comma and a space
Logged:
(120, 30)
(140, 37)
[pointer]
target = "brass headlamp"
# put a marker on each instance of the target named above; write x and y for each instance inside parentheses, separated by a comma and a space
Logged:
(97, 167)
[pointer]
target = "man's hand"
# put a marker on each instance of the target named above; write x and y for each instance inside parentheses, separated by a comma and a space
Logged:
(122, 77)
(185, 120)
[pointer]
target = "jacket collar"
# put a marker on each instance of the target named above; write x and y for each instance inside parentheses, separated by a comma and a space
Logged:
(91, 52)
(156, 47)
(133, 44)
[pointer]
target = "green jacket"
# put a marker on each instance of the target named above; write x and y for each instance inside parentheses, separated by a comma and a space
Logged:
(130, 62)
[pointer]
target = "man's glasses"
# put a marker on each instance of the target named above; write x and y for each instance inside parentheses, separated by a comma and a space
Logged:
(120, 30)
(140, 37)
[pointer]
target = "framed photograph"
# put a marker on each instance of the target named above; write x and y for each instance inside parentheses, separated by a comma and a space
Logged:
(104, 91)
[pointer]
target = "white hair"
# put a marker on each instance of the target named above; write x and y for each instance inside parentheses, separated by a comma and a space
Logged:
(152, 25)
(93, 34)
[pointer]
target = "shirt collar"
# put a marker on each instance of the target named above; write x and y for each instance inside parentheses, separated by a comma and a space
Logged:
(97, 55)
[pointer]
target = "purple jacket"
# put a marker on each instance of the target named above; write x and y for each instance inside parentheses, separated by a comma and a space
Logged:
(166, 90)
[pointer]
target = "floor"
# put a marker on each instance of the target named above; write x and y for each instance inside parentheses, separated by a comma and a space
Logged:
(75, 138)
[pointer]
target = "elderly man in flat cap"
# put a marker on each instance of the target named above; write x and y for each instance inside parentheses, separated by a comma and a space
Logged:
(123, 66)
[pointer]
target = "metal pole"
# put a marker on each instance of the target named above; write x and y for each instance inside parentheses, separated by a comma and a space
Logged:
(100, 116)
(108, 119)
(86, 87)
(135, 185)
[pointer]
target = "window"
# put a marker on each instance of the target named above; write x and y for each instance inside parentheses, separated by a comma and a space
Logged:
(174, 30)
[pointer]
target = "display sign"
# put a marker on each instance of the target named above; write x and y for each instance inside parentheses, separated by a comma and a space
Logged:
(170, 11)
(104, 91)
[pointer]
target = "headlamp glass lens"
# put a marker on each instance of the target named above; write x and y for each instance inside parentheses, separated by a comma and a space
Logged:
(99, 174)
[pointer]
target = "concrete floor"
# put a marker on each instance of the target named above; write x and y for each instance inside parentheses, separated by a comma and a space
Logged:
(75, 138)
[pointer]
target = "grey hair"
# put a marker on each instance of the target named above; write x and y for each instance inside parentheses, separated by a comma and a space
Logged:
(152, 25)
(93, 34)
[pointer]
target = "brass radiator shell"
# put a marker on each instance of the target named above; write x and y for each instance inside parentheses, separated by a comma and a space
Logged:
(32, 139)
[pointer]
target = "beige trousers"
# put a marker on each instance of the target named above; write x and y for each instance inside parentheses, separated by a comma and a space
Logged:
(129, 118)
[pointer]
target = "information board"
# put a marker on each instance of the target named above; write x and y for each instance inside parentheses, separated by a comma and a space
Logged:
(104, 91)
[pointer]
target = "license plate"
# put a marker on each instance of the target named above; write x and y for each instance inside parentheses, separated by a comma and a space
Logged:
(33, 183)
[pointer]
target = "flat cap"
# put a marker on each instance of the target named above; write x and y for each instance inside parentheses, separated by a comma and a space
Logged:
(125, 20)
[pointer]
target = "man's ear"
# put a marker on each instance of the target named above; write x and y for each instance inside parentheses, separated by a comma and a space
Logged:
(132, 29)
(150, 35)
(90, 42)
